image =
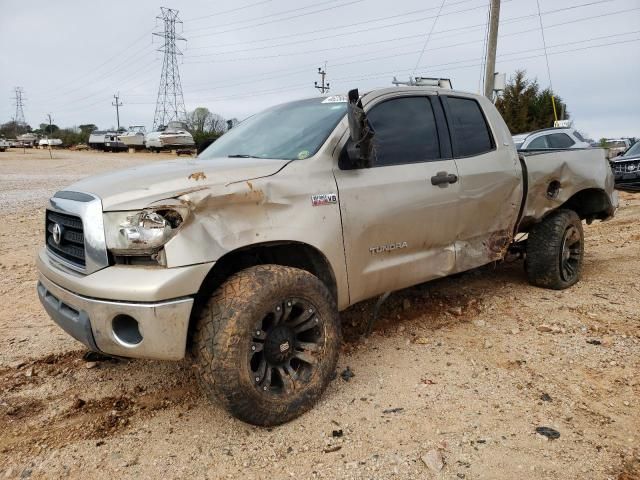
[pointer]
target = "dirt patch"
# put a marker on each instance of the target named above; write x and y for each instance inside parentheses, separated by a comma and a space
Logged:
(469, 366)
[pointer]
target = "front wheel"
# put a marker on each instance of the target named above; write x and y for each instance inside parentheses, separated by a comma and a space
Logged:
(555, 250)
(266, 343)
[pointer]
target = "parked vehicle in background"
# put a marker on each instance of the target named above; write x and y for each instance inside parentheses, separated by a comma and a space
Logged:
(550, 139)
(626, 169)
(49, 142)
(98, 138)
(174, 135)
(3, 145)
(27, 140)
(112, 143)
(134, 137)
(245, 255)
(616, 146)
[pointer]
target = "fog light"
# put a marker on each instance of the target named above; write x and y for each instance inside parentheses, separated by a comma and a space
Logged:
(126, 330)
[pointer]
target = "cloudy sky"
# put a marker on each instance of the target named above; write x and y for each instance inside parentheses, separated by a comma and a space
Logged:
(240, 56)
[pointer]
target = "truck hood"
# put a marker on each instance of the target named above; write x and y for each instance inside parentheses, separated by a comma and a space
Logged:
(137, 187)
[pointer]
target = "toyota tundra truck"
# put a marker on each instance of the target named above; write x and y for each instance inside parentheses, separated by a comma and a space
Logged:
(241, 259)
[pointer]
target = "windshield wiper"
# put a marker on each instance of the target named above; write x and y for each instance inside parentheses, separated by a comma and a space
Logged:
(240, 155)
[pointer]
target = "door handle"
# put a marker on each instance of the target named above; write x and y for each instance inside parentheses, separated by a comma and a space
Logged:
(443, 179)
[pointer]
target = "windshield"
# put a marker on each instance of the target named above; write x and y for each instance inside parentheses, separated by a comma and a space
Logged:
(294, 130)
(633, 150)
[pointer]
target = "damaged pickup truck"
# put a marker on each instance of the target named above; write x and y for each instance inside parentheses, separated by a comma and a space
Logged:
(242, 258)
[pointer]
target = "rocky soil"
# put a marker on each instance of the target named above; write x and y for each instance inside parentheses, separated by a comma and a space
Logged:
(454, 382)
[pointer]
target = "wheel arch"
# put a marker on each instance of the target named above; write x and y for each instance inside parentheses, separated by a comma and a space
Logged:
(286, 253)
(590, 204)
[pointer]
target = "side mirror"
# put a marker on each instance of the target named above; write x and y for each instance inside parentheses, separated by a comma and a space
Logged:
(360, 148)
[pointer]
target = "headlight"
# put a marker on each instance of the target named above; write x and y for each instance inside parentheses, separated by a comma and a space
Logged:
(143, 232)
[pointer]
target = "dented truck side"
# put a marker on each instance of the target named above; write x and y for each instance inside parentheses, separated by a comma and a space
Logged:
(136, 262)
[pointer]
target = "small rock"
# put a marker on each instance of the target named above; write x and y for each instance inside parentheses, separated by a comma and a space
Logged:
(421, 340)
(545, 328)
(488, 344)
(515, 331)
(548, 432)
(479, 323)
(594, 342)
(78, 403)
(337, 433)
(91, 365)
(393, 410)
(457, 311)
(29, 372)
(626, 404)
(433, 459)
(347, 374)
(545, 397)
(406, 304)
(333, 448)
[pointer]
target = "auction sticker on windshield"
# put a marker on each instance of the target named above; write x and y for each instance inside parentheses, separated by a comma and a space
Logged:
(335, 99)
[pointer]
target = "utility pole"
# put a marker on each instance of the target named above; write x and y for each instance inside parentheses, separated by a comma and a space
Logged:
(492, 46)
(322, 87)
(50, 132)
(117, 104)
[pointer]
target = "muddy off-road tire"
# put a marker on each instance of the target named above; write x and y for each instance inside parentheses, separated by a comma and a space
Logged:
(555, 250)
(266, 343)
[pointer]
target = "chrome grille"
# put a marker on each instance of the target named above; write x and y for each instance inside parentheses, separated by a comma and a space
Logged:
(626, 167)
(70, 246)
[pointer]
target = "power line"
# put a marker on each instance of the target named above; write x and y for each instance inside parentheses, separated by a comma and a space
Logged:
(377, 28)
(468, 65)
(94, 70)
(304, 86)
(219, 32)
(279, 73)
(261, 17)
(426, 42)
(170, 102)
(217, 14)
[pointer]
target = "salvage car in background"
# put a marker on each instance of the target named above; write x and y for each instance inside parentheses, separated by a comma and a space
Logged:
(550, 138)
(626, 169)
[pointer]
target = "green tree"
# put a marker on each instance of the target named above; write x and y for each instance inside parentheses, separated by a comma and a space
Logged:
(12, 129)
(205, 125)
(85, 130)
(525, 107)
(49, 129)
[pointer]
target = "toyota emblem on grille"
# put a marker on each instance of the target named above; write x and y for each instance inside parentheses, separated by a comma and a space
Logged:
(57, 233)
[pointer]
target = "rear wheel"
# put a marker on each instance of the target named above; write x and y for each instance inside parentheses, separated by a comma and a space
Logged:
(266, 343)
(555, 251)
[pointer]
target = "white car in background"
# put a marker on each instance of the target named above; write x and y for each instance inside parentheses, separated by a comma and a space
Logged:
(550, 138)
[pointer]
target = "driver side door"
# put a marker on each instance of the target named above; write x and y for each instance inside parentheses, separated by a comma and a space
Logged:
(398, 226)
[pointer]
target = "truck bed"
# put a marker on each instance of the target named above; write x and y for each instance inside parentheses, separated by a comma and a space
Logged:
(553, 178)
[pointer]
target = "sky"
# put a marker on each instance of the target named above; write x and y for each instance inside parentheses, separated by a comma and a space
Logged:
(241, 56)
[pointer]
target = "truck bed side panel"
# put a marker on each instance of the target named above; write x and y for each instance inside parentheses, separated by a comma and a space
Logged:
(555, 176)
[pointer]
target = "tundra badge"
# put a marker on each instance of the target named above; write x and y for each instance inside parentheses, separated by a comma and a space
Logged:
(388, 247)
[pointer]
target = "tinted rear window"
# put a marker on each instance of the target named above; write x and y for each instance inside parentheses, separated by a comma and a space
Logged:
(469, 128)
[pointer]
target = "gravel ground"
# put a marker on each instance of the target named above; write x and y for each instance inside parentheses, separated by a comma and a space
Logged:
(464, 368)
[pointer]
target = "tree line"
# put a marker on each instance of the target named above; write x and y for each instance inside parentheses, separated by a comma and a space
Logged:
(203, 125)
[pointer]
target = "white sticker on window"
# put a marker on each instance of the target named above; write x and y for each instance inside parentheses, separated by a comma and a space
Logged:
(335, 99)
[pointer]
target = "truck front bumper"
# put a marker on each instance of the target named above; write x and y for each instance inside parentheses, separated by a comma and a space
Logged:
(145, 326)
